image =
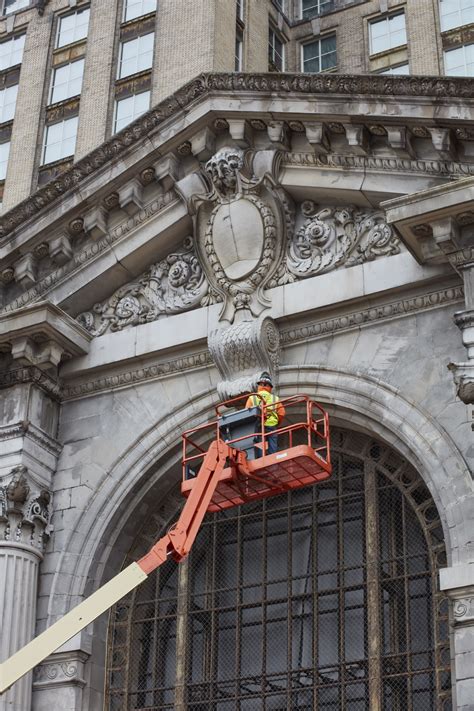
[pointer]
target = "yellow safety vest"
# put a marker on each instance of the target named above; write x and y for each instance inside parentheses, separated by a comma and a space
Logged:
(271, 413)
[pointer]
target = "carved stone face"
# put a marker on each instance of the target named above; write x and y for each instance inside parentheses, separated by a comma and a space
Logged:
(222, 168)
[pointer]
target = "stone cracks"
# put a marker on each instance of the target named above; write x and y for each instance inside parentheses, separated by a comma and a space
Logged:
(206, 84)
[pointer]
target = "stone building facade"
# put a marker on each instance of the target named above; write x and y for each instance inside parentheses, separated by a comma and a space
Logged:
(79, 71)
(316, 225)
(128, 312)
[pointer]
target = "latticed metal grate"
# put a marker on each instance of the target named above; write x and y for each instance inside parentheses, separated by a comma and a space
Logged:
(324, 598)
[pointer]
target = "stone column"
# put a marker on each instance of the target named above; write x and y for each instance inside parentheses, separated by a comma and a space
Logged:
(24, 517)
(458, 583)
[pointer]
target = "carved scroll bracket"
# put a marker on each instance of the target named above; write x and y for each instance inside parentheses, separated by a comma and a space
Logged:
(242, 351)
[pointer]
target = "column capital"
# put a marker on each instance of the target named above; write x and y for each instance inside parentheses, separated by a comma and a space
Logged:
(25, 511)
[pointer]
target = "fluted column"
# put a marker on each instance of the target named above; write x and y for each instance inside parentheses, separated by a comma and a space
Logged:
(24, 517)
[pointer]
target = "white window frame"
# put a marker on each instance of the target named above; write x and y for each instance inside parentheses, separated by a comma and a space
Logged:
(239, 45)
(13, 52)
(462, 48)
(61, 18)
(69, 81)
(7, 114)
(387, 19)
(240, 10)
(134, 116)
(313, 41)
(3, 172)
(24, 4)
(275, 32)
(388, 71)
(134, 17)
(121, 61)
(464, 15)
(320, 4)
(65, 154)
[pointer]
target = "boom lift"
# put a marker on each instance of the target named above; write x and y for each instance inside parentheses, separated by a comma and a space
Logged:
(225, 464)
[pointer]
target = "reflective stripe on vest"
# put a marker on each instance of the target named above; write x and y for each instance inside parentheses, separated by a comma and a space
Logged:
(271, 418)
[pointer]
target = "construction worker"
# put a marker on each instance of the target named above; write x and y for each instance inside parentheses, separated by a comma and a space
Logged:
(274, 411)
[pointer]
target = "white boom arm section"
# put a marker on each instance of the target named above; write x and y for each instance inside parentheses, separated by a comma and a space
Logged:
(46, 643)
(176, 543)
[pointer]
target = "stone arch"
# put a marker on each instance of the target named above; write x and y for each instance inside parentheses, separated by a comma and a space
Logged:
(355, 399)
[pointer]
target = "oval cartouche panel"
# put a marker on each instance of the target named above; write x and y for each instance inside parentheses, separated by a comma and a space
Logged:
(238, 236)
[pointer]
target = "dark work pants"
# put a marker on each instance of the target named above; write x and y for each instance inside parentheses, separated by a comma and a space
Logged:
(272, 442)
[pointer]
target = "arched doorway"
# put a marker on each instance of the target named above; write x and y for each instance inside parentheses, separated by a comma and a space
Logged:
(325, 598)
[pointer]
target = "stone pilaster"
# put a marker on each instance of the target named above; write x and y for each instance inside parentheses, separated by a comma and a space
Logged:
(458, 583)
(25, 510)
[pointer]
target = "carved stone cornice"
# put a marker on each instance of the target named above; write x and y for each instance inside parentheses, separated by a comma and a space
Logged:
(31, 374)
(25, 510)
(89, 252)
(128, 378)
(373, 314)
(210, 84)
(385, 163)
(42, 334)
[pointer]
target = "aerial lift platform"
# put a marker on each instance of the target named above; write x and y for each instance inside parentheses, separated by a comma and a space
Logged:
(225, 464)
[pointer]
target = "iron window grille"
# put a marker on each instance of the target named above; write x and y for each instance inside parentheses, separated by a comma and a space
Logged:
(323, 598)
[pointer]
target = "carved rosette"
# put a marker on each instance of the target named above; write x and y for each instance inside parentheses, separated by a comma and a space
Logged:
(242, 351)
(25, 510)
(240, 230)
(173, 285)
(333, 237)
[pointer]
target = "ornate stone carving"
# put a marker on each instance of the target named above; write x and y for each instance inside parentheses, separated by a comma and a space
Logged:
(170, 286)
(240, 228)
(242, 351)
(463, 609)
(332, 237)
(392, 164)
(337, 84)
(25, 510)
(61, 669)
(89, 252)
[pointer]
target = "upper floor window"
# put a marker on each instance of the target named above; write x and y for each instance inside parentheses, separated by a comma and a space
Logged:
(279, 4)
(239, 41)
(73, 27)
(275, 51)
(8, 103)
(11, 52)
(136, 55)
(67, 81)
(137, 8)
(401, 69)
(320, 56)
(460, 61)
(60, 140)
(4, 153)
(455, 13)
(14, 5)
(312, 8)
(130, 108)
(387, 33)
